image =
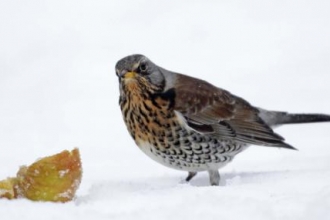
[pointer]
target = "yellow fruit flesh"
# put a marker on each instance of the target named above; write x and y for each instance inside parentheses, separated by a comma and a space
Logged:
(7, 188)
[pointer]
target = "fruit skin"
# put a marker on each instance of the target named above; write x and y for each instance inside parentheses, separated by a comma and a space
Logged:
(55, 178)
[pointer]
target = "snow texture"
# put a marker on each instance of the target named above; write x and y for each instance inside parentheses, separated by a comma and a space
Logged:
(58, 90)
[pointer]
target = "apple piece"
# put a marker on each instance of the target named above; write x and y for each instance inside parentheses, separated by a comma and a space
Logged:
(55, 178)
(8, 188)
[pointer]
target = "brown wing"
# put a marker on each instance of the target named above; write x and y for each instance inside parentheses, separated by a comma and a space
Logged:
(208, 109)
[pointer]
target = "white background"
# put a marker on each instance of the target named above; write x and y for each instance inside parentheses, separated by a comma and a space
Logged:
(58, 90)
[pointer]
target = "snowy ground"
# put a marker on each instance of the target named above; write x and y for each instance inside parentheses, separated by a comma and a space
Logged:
(58, 90)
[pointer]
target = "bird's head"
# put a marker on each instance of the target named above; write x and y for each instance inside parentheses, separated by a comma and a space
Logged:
(140, 73)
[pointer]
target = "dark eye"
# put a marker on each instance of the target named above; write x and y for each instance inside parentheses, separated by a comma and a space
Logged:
(143, 67)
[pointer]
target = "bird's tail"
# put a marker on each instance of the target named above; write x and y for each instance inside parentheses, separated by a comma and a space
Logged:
(274, 118)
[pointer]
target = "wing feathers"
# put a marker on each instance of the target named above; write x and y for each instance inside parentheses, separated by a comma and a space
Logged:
(208, 109)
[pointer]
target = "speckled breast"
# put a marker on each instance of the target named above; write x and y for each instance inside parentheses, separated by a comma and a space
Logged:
(157, 131)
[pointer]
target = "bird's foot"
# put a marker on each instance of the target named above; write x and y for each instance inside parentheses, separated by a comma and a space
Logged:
(214, 177)
(190, 176)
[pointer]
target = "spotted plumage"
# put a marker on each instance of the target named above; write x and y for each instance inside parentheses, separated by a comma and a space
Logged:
(187, 123)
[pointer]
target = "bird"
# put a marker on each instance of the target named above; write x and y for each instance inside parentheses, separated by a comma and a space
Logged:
(191, 125)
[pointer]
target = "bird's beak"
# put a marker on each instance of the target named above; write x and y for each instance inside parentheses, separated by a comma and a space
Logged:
(128, 75)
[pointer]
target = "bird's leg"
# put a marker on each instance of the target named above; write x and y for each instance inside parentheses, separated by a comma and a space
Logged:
(214, 177)
(190, 176)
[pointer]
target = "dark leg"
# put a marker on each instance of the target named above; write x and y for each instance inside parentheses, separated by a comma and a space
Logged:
(190, 176)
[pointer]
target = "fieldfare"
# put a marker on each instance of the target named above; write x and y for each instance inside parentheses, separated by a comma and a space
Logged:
(189, 124)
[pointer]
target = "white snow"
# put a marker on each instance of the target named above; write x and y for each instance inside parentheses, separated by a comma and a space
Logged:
(62, 173)
(58, 90)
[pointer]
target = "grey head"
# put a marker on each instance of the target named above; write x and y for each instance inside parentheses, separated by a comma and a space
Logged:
(129, 63)
(142, 70)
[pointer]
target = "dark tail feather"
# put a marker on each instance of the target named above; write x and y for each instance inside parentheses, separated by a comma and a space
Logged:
(273, 118)
(287, 146)
(285, 118)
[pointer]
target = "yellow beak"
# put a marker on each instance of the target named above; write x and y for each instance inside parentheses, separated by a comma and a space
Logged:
(129, 75)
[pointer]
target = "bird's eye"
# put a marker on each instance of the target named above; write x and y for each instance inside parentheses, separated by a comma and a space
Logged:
(143, 67)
